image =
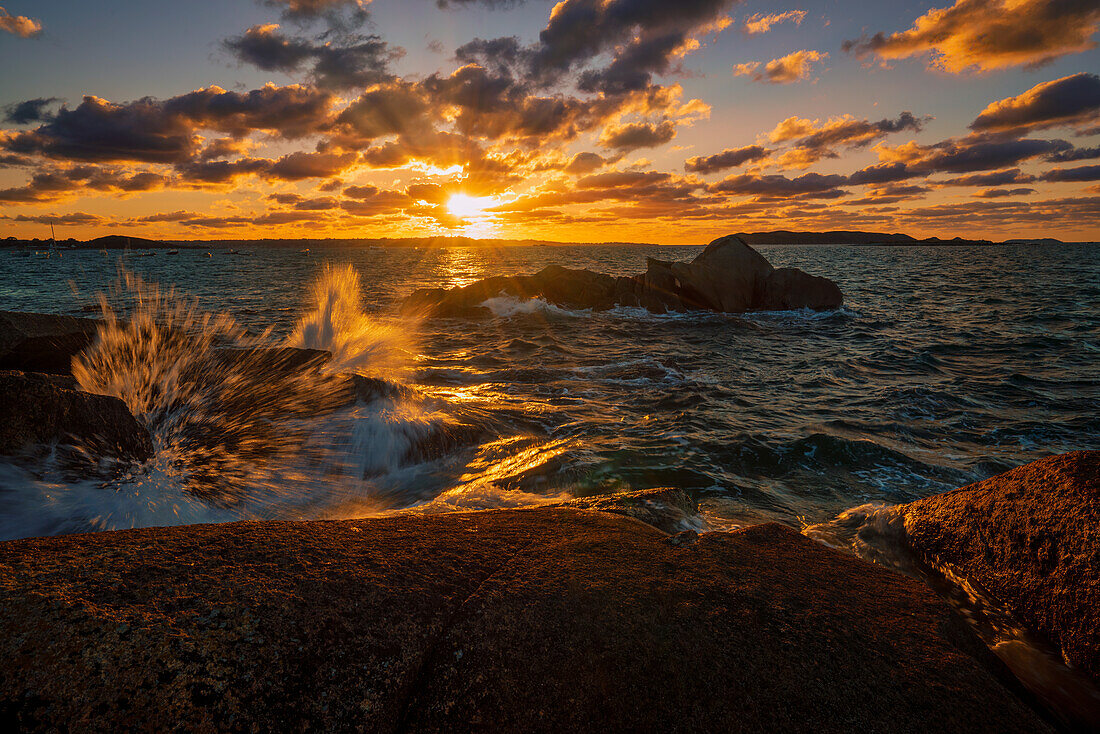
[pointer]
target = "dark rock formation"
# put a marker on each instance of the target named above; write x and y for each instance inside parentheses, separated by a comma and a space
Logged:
(790, 288)
(668, 509)
(38, 410)
(521, 620)
(1030, 538)
(34, 342)
(728, 277)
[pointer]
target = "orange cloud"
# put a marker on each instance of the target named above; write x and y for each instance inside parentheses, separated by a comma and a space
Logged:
(760, 23)
(983, 35)
(19, 25)
(793, 67)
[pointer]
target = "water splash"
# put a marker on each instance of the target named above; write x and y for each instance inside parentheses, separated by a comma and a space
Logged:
(358, 343)
(228, 415)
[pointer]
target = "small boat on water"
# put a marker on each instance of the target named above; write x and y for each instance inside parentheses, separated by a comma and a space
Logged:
(209, 255)
(305, 251)
(172, 252)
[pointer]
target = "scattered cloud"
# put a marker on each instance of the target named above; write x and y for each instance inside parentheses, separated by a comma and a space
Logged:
(634, 135)
(354, 61)
(1081, 173)
(19, 25)
(726, 159)
(793, 67)
(760, 23)
(983, 35)
(1072, 101)
(31, 110)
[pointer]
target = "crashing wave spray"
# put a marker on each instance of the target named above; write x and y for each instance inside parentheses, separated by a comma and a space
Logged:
(235, 421)
(358, 344)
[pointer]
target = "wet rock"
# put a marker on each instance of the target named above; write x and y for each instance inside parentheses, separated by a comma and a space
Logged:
(523, 620)
(790, 288)
(563, 287)
(670, 510)
(34, 342)
(1029, 539)
(37, 410)
(728, 276)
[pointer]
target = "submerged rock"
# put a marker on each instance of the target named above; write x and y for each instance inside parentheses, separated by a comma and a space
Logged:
(1030, 539)
(37, 410)
(35, 342)
(521, 620)
(728, 277)
(669, 509)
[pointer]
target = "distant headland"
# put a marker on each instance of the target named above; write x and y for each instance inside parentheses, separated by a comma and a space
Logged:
(777, 237)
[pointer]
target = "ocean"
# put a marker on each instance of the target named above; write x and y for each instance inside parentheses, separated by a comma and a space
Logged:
(946, 365)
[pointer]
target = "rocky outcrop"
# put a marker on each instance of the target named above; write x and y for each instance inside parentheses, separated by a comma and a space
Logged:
(34, 342)
(1030, 539)
(728, 277)
(514, 620)
(40, 410)
(786, 289)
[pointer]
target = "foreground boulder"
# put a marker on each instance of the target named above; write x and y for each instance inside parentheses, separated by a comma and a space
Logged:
(1030, 539)
(34, 342)
(38, 410)
(728, 277)
(513, 620)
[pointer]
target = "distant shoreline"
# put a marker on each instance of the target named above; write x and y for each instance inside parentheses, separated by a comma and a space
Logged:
(851, 238)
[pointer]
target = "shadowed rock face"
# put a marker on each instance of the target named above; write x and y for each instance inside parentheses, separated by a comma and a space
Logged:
(34, 342)
(1030, 538)
(520, 620)
(40, 409)
(728, 277)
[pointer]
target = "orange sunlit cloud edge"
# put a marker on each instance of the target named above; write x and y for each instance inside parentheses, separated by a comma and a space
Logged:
(556, 138)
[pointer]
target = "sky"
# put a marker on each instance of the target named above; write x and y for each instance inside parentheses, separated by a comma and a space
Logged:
(576, 121)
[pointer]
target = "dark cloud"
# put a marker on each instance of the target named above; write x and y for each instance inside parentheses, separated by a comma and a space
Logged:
(300, 165)
(62, 183)
(726, 159)
(882, 173)
(494, 4)
(307, 10)
(19, 25)
(1074, 154)
(970, 154)
(32, 110)
(794, 67)
(777, 185)
(643, 38)
(351, 61)
(634, 135)
(584, 163)
(1002, 193)
(220, 172)
(991, 34)
(1069, 101)
(996, 178)
(1081, 173)
(76, 218)
(155, 131)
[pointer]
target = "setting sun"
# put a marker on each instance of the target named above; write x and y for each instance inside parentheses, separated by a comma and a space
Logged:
(463, 205)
